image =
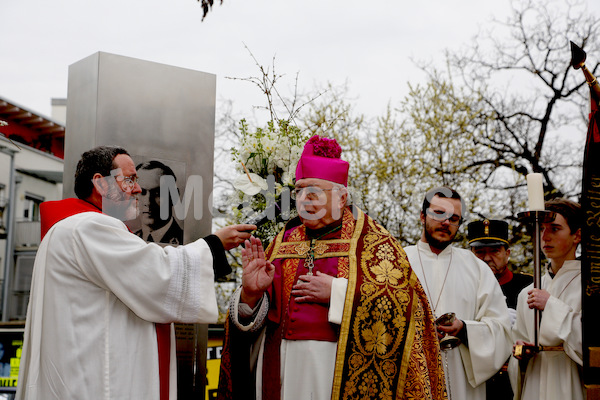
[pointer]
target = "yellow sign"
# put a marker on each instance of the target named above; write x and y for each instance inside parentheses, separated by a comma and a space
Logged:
(8, 382)
(11, 345)
(213, 364)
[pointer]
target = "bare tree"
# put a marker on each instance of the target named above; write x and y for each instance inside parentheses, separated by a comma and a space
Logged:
(505, 106)
(516, 107)
(533, 100)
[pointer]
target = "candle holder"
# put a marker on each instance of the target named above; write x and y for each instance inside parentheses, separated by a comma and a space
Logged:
(536, 217)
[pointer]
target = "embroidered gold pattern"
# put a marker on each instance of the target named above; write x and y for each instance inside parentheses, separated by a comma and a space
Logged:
(298, 246)
(387, 347)
(323, 249)
(343, 265)
(301, 249)
(289, 268)
(387, 359)
(377, 338)
(320, 248)
(385, 272)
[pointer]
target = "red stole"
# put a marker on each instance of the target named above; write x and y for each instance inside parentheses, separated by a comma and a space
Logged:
(52, 212)
(163, 338)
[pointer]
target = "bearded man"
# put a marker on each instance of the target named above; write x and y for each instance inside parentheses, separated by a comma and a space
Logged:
(102, 300)
(458, 282)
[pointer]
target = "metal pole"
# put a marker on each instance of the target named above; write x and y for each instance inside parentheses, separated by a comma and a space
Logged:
(536, 218)
(10, 230)
(537, 274)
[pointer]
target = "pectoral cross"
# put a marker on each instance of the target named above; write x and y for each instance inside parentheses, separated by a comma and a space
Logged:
(310, 259)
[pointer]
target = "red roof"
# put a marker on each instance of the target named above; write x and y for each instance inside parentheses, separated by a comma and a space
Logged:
(34, 130)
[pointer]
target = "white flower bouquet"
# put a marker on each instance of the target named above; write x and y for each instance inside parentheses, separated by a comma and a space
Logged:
(266, 162)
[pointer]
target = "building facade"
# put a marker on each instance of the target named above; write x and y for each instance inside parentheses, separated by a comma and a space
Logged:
(31, 171)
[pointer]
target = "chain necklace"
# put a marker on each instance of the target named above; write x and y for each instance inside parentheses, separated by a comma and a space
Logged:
(310, 259)
(445, 351)
(447, 374)
(427, 286)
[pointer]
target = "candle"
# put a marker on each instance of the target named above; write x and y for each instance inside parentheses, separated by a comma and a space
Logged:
(535, 189)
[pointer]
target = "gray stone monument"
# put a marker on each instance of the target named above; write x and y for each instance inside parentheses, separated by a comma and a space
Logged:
(157, 112)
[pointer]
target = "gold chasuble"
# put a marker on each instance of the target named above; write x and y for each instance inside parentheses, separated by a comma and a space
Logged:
(386, 344)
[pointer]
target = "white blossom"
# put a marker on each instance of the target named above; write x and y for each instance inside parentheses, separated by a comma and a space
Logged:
(250, 184)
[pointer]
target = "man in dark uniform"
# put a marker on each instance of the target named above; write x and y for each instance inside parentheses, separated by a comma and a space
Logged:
(489, 242)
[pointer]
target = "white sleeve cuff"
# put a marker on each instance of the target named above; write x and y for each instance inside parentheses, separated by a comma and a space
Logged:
(338, 298)
(237, 309)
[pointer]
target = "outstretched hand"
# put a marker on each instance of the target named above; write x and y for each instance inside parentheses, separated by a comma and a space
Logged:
(233, 235)
(258, 272)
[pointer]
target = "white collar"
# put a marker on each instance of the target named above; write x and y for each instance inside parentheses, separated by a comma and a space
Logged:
(423, 246)
(568, 265)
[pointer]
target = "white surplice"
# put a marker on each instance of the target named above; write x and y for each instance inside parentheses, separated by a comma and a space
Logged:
(96, 292)
(553, 375)
(457, 281)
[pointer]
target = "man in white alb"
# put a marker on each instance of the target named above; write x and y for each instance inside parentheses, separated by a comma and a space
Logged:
(102, 300)
(456, 281)
(553, 373)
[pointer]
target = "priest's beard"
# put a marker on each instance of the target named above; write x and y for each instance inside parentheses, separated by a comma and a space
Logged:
(433, 242)
(120, 204)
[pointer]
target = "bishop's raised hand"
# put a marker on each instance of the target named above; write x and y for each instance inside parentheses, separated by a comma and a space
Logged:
(257, 273)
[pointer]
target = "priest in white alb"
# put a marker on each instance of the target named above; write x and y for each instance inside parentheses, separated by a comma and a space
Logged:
(456, 281)
(102, 299)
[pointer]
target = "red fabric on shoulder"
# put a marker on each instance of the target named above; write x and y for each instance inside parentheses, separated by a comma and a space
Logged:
(52, 212)
(505, 277)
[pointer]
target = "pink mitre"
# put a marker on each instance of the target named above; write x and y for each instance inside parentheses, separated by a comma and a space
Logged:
(321, 159)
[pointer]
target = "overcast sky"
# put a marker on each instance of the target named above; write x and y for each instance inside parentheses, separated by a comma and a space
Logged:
(368, 44)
